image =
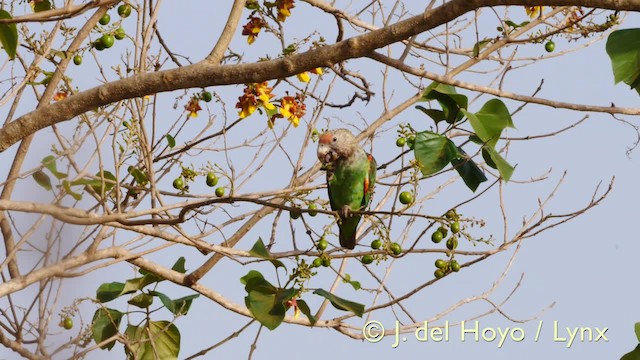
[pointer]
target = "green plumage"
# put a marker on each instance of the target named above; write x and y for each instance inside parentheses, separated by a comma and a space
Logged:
(350, 183)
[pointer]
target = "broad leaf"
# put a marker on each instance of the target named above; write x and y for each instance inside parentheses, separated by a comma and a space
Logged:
(8, 35)
(142, 301)
(42, 179)
(489, 122)
(436, 115)
(139, 176)
(109, 182)
(109, 291)
(304, 308)
(448, 98)
(623, 47)
(179, 265)
(356, 284)
(433, 151)
(42, 5)
(504, 168)
(479, 45)
(153, 340)
(171, 141)
(104, 325)
(49, 162)
(263, 308)
(633, 355)
(469, 171)
(340, 303)
(67, 187)
(259, 250)
(178, 306)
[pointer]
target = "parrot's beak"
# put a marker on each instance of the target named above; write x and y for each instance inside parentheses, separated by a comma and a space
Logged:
(325, 154)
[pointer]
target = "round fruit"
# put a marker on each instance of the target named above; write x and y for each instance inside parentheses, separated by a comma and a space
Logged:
(124, 10)
(444, 231)
(322, 244)
(212, 179)
(455, 227)
(452, 243)
(98, 45)
(550, 46)
(77, 59)
(294, 214)
(317, 262)
(439, 273)
(437, 236)
(376, 244)
(178, 183)
(396, 249)
(326, 262)
(411, 140)
(451, 214)
(220, 191)
(67, 323)
(313, 206)
(367, 259)
(455, 266)
(104, 20)
(441, 264)
(107, 40)
(120, 34)
(206, 96)
(401, 142)
(406, 197)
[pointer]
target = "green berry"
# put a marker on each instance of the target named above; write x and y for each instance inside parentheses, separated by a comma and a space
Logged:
(317, 262)
(77, 59)
(444, 231)
(124, 10)
(452, 243)
(406, 197)
(294, 214)
(98, 45)
(178, 183)
(550, 46)
(322, 244)
(367, 259)
(376, 244)
(439, 273)
(206, 96)
(326, 262)
(107, 40)
(437, 236)
(212, 179)
(451, 214)
(441, 264)
(120, 34)
(313, 206)
(454, 266)
(220, 191)
(396, 249)
(411, 141)
(104, 20)
(455, 227)
(401, 142)
(67, 323)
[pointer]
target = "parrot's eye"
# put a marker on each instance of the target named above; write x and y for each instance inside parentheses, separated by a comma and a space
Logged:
(335, 139)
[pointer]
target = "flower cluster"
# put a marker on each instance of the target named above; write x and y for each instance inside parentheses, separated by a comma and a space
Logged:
(252, 28)
(284, 9)
(292, 109)
(254, 95)
(304, 76)
(193, 106)
(533, 11)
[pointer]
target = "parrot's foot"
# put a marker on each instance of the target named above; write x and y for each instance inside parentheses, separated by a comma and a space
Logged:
(345, 212)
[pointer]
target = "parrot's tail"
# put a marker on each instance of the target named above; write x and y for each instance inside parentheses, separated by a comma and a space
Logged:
(348, 228)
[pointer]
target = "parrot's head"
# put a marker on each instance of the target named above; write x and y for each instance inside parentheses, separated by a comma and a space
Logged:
(336, 144)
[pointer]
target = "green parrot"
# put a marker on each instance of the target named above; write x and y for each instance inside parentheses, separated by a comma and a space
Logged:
(351, 176)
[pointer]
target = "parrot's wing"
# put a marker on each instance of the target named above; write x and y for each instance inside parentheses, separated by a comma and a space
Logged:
(369, 181)
(331, 199)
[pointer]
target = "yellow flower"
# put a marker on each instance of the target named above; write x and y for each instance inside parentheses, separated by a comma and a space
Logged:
(193, 106)
(247, 104)
(304, 77)
(284, 9)
(252, 28)
(292, 109)
(317, 71)
(533, 11)
(265, 95)
(60, 95)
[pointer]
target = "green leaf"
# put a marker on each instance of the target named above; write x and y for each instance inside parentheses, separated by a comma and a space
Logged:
(67, 187)
(340, 303)
(436, 115)
(43, 5)
(259, 250)
(142, 301)
(135, 284)
(469, 171)
(109, 291)
(178, 306)
(104, 325)
(179, 265)
(637, 329)
(139, 176)
(356, 284)
(623, 48)
(504, 168)
(252, 274)
(263, 308)
(433, 151)
(304, 308)
(49, 162)
(633, 355)
(109, 182)
(489, 122)
(8, 35)
(153, 340)
(42, 179)
(448, 98)
(479, 45)
(171, 141)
